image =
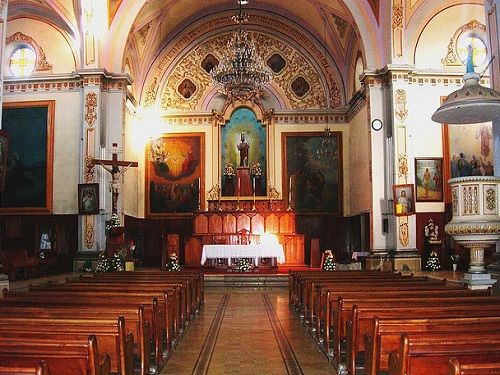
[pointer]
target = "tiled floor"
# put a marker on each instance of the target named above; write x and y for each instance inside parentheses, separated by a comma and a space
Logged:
(247, 331)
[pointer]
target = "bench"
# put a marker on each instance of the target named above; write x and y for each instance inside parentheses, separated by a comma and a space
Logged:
(425, 355)
(40, 369)
(75, 357)
(484, 368)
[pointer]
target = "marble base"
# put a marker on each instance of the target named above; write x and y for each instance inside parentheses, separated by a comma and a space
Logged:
(4, 282)
(478, 281)
(394, 261)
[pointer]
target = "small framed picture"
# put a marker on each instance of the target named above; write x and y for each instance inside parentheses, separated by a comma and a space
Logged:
(88, 199)
(429, 179)
(404, 200)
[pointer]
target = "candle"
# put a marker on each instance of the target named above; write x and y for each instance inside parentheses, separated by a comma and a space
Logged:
(290, 190)
(254, 186)
(239, 185)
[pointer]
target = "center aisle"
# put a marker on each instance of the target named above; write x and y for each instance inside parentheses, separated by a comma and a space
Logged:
(247, 331)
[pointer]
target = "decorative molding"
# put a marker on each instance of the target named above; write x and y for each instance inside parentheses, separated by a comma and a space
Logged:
(90, 108)
(451, 59)
(89, 169)
(143, 32)
(341, 25)
(214, 193)
(490, 199)
(403, 166)
(470, 200)
(89, 231)
(401, 111)
(397, 16)
(404, 238)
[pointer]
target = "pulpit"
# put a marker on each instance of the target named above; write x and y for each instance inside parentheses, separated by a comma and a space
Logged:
(115, 240)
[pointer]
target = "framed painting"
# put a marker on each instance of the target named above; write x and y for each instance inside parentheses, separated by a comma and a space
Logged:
(88, 199)
(429, 179)
(312, 172)
(174, 181)
(404, 200)
(243, 155)
(4, 144)
(28, 173)
(467, 151)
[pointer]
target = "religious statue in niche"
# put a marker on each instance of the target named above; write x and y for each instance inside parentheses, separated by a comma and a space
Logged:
(431, 232)
(243, 146)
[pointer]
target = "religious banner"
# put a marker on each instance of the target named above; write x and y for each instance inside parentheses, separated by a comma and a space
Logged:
(28, 171)
(174, 173)
(313, 171)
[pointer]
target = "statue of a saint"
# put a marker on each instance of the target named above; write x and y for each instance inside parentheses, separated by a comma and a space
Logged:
(243, 148)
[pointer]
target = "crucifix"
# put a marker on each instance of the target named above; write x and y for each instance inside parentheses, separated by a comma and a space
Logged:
(113, 167)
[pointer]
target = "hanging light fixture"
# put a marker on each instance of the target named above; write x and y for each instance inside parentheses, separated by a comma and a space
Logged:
(472, 103)
(241, 71)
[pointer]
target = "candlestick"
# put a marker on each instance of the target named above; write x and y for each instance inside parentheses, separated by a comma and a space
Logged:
(199, 193)
(239, 186)
(289, 208)
(253, 204)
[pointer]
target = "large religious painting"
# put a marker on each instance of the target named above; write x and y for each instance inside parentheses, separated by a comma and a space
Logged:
(468, 151)
(313, 171)
(429, 179)
(174, 180)
(28, 175)
(243, 155)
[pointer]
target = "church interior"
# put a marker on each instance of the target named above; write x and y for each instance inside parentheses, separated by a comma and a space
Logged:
(253, 146)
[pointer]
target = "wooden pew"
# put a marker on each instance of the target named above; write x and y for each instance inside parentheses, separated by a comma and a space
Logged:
(63, 357)
(384, 336)
(362, 319)
(111, 335)
(40, 369)
(136, 322)
(484, 368)
(430, 355)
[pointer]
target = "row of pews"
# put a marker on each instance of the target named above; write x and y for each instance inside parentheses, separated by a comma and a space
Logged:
(374, 322)
(122, 322)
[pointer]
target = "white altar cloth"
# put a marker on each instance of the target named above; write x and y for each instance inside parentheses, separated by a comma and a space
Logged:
(243, 251)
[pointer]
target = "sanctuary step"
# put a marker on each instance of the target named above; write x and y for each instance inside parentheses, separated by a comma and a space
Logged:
(246, 280)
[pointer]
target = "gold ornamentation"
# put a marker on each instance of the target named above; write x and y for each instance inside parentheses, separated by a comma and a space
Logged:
(89, 169)
(341, 25)
(401, 111)
(296, 63)
(454, 200)
(491, 199)
(404, 239)
(451, 58)
(41, 59)
(403, 166)
(272, 192)
(214, 193)
(470, 200)
(90, 106)
(89, 232)
(466, 228)
(397, 17)
(151, 93)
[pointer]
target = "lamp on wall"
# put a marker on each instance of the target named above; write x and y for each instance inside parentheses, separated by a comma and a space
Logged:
(241, 70)
(472, 103)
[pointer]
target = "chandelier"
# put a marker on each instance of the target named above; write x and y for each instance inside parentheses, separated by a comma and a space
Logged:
(241, 70)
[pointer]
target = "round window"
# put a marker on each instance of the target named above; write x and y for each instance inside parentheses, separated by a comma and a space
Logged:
(22, 61)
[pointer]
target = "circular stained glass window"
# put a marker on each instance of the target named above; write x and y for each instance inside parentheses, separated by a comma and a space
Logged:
(479, 50)
(22, 61)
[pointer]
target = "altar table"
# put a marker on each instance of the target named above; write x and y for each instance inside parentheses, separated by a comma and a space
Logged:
(243, 251)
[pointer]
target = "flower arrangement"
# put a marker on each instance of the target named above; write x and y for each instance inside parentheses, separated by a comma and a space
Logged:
(229, 171)
(87, 267)
(173, 263)
(329, 262)
(454, 258)
(115, 263)
(433, 262)
(243, 265)
(114, 221)
(256, 170)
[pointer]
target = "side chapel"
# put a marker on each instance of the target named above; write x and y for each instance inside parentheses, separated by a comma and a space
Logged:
(111, 108)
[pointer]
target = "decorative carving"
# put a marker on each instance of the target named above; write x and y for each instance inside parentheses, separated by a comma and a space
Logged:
(403, 166)
(397, 16)
(404, 239)
(41, 61)
(490, 198)
(272, 192)
(90, 108)
(470, 200)
(296, 64)
(451, 59)
(214, 193)
(89, 169)
(401, 111)
(472, 228)
(89, 232)
(454, 200)
(143, 32)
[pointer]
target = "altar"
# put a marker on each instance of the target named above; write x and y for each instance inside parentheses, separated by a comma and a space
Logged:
(243, 251)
